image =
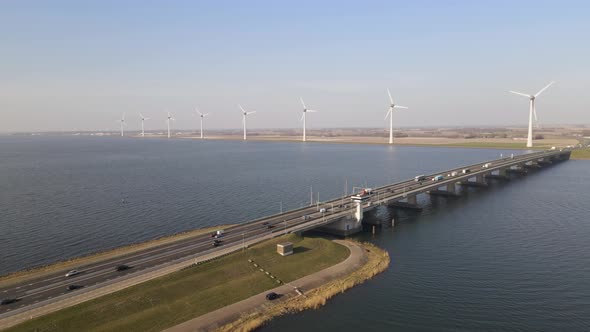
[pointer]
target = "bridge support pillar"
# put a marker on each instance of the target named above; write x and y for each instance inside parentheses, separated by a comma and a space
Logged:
(412, 200)
(502, 175)
(358, 213)
(451, 187)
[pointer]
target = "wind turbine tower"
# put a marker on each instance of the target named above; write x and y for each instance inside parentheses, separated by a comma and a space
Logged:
(532, 112)
(123, 124)
(389, 114)
(244, 114)
(143, 118)
(201, 115)
(170, 118)
(303, 118)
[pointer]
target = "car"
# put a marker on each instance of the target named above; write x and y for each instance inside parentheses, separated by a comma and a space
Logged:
(216, 243)
(122, 267)
(272, 296)
(323, 210)
(72, 273)
(269, 226)
(214, 234)
(8, 301)
(305, 217)
(265, 223)
(73, 287)
(466, 170)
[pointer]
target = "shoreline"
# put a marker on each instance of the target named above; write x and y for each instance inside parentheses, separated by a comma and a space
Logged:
(375, 260)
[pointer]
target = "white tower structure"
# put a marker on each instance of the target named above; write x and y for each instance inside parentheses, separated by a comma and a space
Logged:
(532, 111)
(170, 118)
(202, 115)
(244, 114)
(143, 118)
(392, 106)
(303, 118)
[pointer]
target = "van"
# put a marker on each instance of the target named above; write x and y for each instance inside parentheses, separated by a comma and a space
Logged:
(437, 178)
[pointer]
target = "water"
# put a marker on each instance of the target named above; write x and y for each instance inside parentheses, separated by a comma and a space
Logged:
(510, 257)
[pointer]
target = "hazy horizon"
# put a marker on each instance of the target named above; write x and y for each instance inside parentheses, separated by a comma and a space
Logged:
(71, 66)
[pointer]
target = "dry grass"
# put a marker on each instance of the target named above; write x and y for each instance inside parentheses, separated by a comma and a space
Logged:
(24, 275)
(377, 262)
(581, 154)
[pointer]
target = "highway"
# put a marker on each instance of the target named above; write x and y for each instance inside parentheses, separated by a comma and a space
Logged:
(54, 286)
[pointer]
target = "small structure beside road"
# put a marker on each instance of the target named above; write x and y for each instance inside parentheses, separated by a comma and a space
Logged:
(285, 248)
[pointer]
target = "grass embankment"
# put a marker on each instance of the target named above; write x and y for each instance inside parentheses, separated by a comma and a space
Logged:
(581, 154)
(178, 297)
(24, 275)
(377, 261)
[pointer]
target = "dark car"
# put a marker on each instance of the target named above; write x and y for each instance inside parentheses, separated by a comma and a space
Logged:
(123, 267)
(7, 301)
(272, 296)
(265, 223)
(216, 243)
(73, 287)
(269, 226)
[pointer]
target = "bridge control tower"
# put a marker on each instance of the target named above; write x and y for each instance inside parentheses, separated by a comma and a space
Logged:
(351, 223)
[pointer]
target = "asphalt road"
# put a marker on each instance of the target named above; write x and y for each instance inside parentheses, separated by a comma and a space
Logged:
(55, 284)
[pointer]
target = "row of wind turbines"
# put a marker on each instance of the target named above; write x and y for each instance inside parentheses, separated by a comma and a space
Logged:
(391, 109)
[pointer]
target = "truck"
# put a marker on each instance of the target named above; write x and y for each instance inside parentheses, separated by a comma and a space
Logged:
(486, 165)
(419, 178)
(437, 178)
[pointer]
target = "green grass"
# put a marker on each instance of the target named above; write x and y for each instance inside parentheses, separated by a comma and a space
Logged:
(581, 153)
(178, 297)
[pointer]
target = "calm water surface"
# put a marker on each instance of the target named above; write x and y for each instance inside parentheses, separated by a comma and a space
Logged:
(513, 256)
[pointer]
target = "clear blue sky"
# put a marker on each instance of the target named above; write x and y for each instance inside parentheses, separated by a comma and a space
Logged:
(68, 65)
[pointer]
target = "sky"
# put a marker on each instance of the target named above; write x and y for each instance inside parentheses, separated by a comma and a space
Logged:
(78, 65)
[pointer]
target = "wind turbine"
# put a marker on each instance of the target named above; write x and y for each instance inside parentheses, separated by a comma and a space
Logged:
(123, 124)
(389, 114)
(532, 112)
(201, 115)
(143, 118)
(244, 114)
(168, 123)
(303, 118)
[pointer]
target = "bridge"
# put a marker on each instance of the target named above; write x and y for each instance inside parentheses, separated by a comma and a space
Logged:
(344, 215)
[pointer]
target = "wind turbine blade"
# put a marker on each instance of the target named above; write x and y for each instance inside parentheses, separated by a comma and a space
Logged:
(520, 94)
(141, 116)
(302, 116)
(205, 114)
(388, 113)
(240, 106)
(390, 98)
(123, 117)
(248, 113)
(398, 106)
(535, 114)
(302, 103)
(146, 118)
(545, 88)
(312, 111)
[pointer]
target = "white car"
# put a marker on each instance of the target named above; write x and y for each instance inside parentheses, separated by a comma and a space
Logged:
(72, 273)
